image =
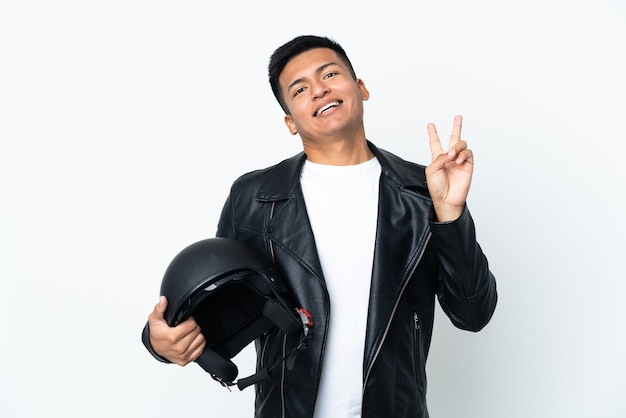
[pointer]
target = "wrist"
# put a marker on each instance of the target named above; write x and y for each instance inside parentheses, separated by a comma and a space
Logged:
(448, 213)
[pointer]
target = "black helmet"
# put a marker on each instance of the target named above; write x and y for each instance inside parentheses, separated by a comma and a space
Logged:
(234, 295)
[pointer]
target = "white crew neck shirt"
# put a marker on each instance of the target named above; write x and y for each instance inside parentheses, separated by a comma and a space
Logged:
(342, 205)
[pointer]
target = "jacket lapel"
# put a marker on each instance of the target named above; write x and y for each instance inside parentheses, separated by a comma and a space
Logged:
(289, 226)
(400, 238)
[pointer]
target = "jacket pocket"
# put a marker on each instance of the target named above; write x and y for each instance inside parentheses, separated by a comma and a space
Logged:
(418, 352)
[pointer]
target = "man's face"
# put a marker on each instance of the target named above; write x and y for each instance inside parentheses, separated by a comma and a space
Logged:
(323, 99)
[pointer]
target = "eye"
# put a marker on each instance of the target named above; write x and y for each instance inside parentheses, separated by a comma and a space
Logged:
(298, 91)
(330, 74)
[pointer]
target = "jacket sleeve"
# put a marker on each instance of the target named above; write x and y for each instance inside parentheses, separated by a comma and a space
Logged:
(466, 287)
(145, 338)
(225, 227)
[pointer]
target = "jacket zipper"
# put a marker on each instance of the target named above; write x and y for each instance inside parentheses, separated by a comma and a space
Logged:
(393, 312)
(262, 359)
(418, 351)
(282, 367)
(269, 240)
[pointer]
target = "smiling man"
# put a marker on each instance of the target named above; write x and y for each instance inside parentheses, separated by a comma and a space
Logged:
(325, 107)
(366, 242)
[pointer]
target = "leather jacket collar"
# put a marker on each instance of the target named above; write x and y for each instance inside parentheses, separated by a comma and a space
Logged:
(285, 179)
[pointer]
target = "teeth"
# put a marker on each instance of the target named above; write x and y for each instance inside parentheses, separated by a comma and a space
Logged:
(328, 106)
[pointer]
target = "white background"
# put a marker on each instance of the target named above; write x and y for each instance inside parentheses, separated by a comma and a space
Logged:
(123, 124)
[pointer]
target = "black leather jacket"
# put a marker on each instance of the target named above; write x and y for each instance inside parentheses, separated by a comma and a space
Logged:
(415, 259)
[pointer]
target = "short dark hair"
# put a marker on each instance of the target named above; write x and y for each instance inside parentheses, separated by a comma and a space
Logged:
(283, 54)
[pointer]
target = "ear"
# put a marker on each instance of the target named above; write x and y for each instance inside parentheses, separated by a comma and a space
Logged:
(291, 125)
(365, 94)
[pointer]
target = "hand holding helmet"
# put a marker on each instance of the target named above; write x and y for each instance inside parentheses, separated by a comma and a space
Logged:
(219, 295)
(181, 344)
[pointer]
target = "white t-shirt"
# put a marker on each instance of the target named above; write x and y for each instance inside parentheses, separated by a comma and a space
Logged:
(342, 204)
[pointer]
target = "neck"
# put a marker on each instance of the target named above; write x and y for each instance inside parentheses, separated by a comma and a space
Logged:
(338, 151)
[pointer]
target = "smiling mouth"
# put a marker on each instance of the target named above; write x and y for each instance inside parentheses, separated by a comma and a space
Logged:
(326, 107)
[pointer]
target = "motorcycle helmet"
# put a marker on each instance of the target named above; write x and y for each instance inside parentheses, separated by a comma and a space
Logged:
(235, 296)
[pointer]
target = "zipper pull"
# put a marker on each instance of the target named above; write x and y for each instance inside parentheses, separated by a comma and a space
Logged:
(416, 319)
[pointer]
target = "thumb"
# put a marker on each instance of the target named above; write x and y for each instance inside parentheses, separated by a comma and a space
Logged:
(161, 306)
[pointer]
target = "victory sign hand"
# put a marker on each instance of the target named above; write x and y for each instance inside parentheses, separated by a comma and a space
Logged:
(449, 175)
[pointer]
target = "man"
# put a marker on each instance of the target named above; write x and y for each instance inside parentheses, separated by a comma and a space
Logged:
(365, 241)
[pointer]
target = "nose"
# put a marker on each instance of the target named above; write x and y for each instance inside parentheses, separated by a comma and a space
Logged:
(319, 89)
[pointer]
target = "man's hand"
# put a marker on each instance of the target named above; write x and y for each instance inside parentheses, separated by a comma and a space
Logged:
(181, 344)
(449, 175)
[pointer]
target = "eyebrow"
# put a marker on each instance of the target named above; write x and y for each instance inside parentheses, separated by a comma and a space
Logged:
(318, 70)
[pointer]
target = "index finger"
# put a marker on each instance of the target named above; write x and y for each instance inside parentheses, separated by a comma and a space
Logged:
(433, 138)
